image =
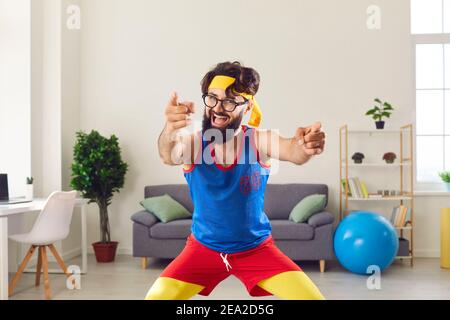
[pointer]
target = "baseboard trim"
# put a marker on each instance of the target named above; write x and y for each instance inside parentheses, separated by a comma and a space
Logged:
(75, 252)
(120, 250)
(427, 253)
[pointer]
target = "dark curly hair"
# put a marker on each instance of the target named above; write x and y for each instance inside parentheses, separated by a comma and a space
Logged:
(247, 79)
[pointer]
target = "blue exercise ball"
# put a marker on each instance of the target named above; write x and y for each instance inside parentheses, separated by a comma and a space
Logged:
(365, 239)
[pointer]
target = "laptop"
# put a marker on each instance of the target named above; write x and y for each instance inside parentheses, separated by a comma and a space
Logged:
(4, 193)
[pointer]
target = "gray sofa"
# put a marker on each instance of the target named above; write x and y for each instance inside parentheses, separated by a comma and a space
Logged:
(299, 241)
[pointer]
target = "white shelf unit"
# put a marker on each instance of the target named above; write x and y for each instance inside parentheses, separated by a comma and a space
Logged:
(388, 165)
(390, 198)
(405, 166)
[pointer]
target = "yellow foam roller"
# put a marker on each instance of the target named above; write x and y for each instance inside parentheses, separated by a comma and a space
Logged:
(445, 238)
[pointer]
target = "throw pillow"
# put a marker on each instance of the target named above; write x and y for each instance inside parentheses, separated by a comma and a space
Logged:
(165, 208)
(307, 207)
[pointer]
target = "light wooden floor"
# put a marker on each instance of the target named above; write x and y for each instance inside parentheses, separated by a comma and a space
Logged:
(124, 279)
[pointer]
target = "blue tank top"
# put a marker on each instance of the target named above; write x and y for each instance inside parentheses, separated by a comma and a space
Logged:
(228, 202)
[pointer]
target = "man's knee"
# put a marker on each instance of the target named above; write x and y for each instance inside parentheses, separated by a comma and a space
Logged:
(292, 285)
(172, 289)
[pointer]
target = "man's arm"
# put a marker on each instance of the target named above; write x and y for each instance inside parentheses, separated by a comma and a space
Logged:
(299, 149)
(173, 148)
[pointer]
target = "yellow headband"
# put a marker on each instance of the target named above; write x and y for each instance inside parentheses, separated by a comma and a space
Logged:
(223, 82)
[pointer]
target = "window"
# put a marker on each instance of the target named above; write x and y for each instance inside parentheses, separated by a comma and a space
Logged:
(430, 16)
(430, 26)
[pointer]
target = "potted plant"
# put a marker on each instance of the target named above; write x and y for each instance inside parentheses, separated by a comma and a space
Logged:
(29, 190)
(445, 176)
(382, 109)
(97, 172)
(389, 157)
(358, 157)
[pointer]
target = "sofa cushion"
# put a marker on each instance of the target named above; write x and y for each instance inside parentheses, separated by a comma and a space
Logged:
(145, 218)
(165, 208)
(307, 207)
(320, 219)
(288, 230)
(177, 229)
(179, 192)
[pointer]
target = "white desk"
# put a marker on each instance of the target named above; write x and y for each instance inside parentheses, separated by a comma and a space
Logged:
(20, 208)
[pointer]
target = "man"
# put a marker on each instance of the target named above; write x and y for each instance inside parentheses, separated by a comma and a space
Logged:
(227, 165)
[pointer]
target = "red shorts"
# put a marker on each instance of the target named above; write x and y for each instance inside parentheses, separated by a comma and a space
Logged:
(201, 265)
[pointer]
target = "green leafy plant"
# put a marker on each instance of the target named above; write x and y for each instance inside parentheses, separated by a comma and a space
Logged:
(30, 180)
(445, 176)
(97, 172)
(380, 110)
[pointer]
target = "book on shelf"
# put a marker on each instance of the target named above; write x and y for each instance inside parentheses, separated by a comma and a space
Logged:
(357, 188)
(352, 187)
(400, 216)
(344, 183)
(364, 189)
(408, 217)
(393, 214)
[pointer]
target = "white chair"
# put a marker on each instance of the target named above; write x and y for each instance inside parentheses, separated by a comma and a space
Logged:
(52, 224)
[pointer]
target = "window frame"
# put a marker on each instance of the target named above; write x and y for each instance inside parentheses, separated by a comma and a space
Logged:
(418, 39)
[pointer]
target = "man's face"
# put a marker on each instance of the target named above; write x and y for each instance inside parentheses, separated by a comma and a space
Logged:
(218, 117)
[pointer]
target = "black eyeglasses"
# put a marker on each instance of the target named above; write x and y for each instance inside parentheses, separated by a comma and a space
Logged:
(229, 105)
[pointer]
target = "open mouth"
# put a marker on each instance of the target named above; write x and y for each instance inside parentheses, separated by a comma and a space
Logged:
(219, 121)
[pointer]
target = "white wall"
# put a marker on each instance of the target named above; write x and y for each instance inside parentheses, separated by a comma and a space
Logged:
(15, 99)
(46, 96)
(70, 113)
(15, 93)
(55, 105)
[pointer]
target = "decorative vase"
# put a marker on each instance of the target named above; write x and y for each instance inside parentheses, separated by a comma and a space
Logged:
(389, 157)
(358, 157)
(379, 124)
(105, 252)
(29, 191)
(447, 186)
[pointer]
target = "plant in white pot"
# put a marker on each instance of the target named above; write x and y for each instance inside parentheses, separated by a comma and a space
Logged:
(445, 176)
(97, 172)
(29, 189)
